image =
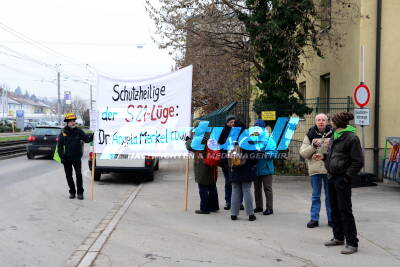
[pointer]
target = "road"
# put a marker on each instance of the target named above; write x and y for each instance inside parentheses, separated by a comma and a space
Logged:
(39, 225)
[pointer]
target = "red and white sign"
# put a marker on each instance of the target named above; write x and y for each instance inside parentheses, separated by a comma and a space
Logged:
(362, 95)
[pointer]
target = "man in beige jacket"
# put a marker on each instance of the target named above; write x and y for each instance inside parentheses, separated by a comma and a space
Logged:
(316, 141)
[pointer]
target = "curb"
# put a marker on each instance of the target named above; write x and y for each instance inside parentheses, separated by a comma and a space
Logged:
(87, 252)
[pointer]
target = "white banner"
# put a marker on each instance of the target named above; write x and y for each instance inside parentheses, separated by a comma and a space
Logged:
(145, 117)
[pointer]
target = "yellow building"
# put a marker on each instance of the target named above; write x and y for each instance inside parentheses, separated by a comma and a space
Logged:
(377, 28)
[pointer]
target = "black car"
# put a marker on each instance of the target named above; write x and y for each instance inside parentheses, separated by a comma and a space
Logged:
(43, 141)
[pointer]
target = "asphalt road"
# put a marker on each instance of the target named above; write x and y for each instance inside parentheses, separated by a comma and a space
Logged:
(39, 225)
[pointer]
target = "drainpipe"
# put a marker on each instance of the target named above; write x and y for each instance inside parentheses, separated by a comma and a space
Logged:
(377, 86)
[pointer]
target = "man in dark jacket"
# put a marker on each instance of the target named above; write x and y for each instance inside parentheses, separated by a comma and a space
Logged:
(70, 149)
(230, 121)
(343, 161)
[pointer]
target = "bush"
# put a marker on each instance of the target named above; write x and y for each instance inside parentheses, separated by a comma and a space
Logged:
(5, 129)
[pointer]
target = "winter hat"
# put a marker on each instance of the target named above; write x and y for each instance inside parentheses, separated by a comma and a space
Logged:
(342, 119)
(230, 117)
(260, 123)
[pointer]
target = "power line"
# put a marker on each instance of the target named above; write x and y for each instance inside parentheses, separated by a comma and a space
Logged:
(138, 45)
(42, 47)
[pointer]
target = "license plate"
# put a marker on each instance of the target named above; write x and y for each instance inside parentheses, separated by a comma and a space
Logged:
(44, 148)
(124, 156)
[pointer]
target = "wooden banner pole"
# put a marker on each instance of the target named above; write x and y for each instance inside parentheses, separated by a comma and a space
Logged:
(186, 184)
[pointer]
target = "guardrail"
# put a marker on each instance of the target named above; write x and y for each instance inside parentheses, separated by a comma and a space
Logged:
(9, 149)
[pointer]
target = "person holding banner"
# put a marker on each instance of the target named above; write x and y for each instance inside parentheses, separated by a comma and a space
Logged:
(70, 150)
(205, 175)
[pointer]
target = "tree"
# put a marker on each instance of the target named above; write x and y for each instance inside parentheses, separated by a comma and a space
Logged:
(33, 97)
(86, 118)
(270, 35)
(79, 107)
(18, 91)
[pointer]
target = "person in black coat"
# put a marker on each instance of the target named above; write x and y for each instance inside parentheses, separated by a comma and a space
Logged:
(343, 161)
(230, 121)
(70, 149)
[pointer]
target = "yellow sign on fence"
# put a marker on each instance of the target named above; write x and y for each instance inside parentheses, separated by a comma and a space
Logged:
(268, 115)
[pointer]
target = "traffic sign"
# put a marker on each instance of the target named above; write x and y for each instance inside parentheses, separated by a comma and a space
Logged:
(361, 116)
(362, 95)
(268, 115)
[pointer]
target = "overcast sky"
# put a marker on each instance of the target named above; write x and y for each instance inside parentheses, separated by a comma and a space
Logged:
(102, 33)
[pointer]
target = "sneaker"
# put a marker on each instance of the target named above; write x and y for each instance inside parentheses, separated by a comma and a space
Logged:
(227, 207)
(241, 207)
(80, 196)
(202, 212)
(333, 242)
(233, 217)
(312, 224)
(268, 212)
(330, 224)
(71, 196)
(349, 250)
(258, 210)
(252, 218)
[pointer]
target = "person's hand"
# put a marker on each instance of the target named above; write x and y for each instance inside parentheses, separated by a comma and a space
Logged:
(316, 142)
(318, 156)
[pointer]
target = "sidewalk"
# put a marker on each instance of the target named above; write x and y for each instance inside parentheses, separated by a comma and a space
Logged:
(155, 231)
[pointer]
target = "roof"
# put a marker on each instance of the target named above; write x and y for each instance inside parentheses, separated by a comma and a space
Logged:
(217, 117)
(24, 101)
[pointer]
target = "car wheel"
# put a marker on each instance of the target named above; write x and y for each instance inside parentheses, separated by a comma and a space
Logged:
(30, 155)
(150, 177)
(97, 175)
(156, 167)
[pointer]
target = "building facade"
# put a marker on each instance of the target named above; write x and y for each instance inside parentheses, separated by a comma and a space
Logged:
(335, 76)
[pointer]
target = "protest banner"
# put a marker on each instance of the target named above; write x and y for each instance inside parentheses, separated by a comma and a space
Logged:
(145, 117)
(148, 117)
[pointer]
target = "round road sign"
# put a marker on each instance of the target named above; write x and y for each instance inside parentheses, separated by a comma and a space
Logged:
(362, 95)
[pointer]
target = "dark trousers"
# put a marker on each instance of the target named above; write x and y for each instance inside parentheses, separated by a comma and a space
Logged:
(228, 185)
(266, 182)
(344, 226)
(208, 197)
(77, 164)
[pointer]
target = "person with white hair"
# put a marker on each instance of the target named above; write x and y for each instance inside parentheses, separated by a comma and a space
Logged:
(317, 141)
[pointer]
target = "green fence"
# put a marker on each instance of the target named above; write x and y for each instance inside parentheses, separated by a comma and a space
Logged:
(218, 117)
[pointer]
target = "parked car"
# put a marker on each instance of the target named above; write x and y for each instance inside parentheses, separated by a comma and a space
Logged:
(118, 163)
(29, 126)
(42, 141)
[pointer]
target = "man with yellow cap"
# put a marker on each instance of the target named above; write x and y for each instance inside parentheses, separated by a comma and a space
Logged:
(70, 150)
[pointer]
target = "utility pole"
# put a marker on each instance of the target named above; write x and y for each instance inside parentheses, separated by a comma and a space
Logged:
(59, 100)
(91, 98)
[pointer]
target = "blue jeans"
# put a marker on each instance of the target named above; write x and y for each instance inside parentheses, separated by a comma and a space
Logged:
(316, 184)
(242, 191)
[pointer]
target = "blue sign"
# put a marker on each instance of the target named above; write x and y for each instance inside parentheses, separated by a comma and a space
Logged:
(20, 113)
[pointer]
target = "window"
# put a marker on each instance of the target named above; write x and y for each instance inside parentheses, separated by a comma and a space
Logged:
(326, 14)
(302, 89)
(324, 93)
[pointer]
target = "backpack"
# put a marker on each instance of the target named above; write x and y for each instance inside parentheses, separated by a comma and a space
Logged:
(212, 157)
(235, 157)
